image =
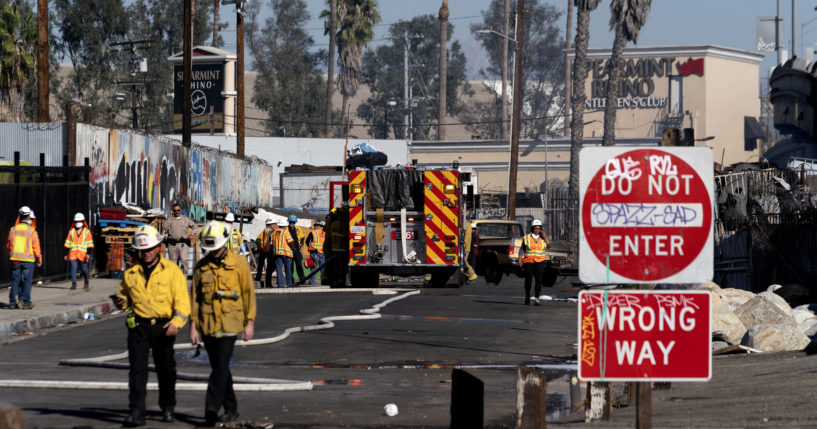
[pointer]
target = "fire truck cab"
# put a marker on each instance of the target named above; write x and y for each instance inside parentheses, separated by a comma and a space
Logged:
(405, 222)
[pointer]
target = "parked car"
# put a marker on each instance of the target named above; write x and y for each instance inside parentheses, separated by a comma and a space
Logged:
(498, 250)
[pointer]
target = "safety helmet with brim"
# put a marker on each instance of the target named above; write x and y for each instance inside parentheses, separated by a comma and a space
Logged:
(146, 238)
(213, 236)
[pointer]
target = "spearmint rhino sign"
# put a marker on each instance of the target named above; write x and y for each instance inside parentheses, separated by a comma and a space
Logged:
(636, 89)
(207, 84)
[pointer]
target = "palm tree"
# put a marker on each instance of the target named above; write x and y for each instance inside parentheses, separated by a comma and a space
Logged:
(18, 38)
(355, 20)
(626, 19)
(583, 9)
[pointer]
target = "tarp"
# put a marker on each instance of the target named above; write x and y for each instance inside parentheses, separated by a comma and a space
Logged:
(394, 189)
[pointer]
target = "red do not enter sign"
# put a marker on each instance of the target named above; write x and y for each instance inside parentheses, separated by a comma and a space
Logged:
(646, 215)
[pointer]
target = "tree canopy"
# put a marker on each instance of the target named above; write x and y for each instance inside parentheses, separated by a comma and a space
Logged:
(290, 84)
(383, 72)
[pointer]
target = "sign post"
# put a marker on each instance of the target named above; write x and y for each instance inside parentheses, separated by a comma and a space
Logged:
(646, 216)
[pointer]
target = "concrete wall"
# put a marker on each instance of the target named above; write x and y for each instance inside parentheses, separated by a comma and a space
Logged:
(155, 171)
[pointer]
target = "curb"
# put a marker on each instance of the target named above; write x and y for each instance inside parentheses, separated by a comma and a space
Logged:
(52, 320)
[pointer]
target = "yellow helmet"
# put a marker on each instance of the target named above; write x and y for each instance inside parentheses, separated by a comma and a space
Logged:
(214, 235)
(146, 237)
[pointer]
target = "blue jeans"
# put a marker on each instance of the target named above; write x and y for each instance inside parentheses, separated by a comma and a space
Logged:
(284, 266)
(21, 274)
(319, 259)
(83, 265)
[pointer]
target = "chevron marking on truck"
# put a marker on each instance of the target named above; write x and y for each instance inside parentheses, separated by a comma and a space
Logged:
(442, 230)
(357, 225)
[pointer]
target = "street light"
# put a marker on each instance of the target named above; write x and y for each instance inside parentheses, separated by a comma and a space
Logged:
(511, 177)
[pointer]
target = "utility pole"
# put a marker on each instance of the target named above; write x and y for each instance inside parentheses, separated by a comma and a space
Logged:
(504, 92)
(793, 28)
(568, 95)
(330, 75)
(778, 34)
(187, 75)
(42, 61)
(239, 123)
(518, 86)
(405, 85)
(135, 66)
(443, 68)
(215, 22)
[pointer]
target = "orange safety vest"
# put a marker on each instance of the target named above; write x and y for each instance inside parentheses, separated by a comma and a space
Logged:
(318, 237)
(78, 244)
(23, 243)
(266, 238)
(534, 249)
(282, 240)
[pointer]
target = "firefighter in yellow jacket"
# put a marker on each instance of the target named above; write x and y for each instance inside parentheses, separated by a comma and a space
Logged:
(223, 308)
(78, 242)
(23, 246)
(155, 289)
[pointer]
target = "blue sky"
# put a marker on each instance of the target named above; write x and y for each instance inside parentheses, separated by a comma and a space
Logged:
(729, 23)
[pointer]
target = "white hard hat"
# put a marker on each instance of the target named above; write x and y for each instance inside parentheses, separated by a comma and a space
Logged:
(229, 217)
(24, 211)
(270, 221)
(146, 237)
(79, 217)
(214, 235)
(283, 222)
(536, 222)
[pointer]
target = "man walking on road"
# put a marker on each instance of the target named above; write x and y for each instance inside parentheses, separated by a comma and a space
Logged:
(78, 242)
(314, 242)
(533, 259)
(156, 292)
(223, 308)
(179, 230)
(264, 241)
(23, 246)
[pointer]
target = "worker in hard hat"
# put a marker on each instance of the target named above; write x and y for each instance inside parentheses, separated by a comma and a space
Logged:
(23, 246)
(78, 243)
(297, 256)
(533, 259)
(223, 309)
(155, 291)
(285, 247)
(235, 235)
(314, 242)
(264, 244)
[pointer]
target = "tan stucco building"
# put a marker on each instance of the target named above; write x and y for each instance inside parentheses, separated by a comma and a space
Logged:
(711, 89)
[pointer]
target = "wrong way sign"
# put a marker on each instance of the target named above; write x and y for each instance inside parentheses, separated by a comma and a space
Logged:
(646, 215)
(645, 336)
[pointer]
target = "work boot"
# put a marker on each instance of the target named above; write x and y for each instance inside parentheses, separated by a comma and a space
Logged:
(210, 418)
(136, 418)
(167, 415)
(87, 286)
(228, 416)
(73, 285)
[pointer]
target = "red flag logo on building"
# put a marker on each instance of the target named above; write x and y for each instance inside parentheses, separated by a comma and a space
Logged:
(691, 66)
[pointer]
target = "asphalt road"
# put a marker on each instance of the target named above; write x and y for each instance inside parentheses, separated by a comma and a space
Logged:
(406, 358)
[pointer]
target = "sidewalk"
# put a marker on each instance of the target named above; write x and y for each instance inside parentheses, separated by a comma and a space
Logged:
(55, 304)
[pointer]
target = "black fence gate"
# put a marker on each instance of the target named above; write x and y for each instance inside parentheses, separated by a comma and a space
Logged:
(55, 194)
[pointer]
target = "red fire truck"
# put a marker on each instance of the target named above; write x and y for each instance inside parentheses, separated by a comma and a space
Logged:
(405, 222)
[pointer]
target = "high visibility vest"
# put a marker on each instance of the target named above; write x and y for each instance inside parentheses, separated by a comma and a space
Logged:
(78, 244)
(235, 241)
(534, 249)
(318, 237)
(283, 239)
(23, 243)
(266, 239)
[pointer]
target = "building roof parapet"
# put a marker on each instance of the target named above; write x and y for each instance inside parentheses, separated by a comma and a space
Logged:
(678, 51)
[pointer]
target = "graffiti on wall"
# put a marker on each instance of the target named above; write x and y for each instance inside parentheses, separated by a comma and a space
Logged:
(155, 172)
